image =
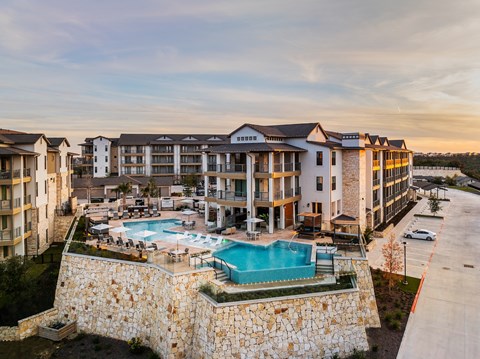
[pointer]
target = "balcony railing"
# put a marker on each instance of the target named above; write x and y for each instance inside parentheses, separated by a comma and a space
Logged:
(190, 170)
(85, 161)
(26, 172)
(133, 151)
(27, 199)
(261, 196)
(376, 203)
(87, 152)
(277, 195)
(289, 192)
(162, 149)
(376, 181)
(162, 162)
(5, 204)
(27, 227)
(162, 170)
(376, 163)
(389, 162)
(6, 235)
(277, 167)
(261, 167)
(212, 193)
(228, 168)
(389, 198)
(389, 179)
(298, 191)
(232, 195)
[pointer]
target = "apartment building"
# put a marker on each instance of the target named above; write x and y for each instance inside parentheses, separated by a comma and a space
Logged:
(157, 155)
(35, 183)
(283, 170)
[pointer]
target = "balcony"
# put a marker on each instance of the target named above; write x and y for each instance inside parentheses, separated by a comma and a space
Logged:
(261, 196)
(162, 162)
(190, 149)
(376, 182)
(405, 162)
(277, 167)
(389, 198)
(228, 168)
(26, 172)
(87, 152)
(212, 193)
(398, 163)
(27, 199)
(6, 175)
(162, 170)
(127, 162)
(376, 163)
(232, 196)
(389, 163)
(129, 151)
(85, 162)
(6, 235)
(27, 227)
(389, 179)
(162, 149)
(190, 170)
(376, 203)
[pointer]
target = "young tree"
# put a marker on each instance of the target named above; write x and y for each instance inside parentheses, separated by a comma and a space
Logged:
(189, 182)
(150, 190)
(434, 205)
(125, 189)
(392, 254)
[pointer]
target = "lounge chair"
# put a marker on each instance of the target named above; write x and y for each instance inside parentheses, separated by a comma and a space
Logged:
(146, 213)
(197, 238)
(207, 239)
(229, 231)
(155, 212)
(218, 241)
(131, 243)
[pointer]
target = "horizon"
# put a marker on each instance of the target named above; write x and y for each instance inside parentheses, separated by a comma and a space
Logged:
(404, 70)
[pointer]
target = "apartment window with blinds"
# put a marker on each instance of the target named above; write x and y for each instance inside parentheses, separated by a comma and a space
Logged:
(319, 158)
(334, 158)
(334, 183)
(319, 183)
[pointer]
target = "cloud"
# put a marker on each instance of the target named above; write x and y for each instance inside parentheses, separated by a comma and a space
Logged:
(107, 67)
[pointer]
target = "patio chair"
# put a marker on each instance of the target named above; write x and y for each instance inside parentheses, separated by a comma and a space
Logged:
(100, 238)
(218, 241)
(183, 223)
(120, 242)
(125, 215)
(136, 213)
(131, 243)
(146, 213)
(155, 212)
(115, 215)
(111, 241)
(207, 239)
(197, 238)
(107, 239)
(153, 245)
(141, 244)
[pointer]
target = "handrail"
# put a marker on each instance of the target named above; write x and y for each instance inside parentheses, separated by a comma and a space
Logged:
(206, 262)
(226, 264)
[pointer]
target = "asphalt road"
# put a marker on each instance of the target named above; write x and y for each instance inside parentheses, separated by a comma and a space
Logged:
(446, 319)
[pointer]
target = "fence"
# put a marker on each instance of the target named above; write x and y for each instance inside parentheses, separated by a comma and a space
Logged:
(435, 168)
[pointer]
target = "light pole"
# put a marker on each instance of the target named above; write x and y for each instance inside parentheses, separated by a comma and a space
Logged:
(405, 263)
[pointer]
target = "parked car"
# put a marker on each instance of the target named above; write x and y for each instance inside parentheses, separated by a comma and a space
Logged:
(421, 234)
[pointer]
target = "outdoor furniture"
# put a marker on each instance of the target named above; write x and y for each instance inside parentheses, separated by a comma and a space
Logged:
(218, 241)
(207, 239)
(141, 245)
(136, 213)
(115, 215)
(125, 215)
(154, 246)
(131, 243)
(197, 238)
(229, 231)
(178, 254)
(220, 229)
(146, 213)
(155, 212)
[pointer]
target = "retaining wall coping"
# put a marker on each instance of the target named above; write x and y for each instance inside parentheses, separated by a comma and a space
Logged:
(276, 299)
(48, 311)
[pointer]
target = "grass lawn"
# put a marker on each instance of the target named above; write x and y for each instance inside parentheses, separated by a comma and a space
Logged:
(465, 189)
(411, 287)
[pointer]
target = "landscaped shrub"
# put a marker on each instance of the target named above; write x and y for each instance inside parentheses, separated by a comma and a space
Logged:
(85, 249)
(135, 345)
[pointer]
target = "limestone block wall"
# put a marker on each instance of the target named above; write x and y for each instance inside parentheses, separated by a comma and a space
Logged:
(62, 225)
(122, 300)
(320, 325)
(436, 172)
(353, 185)
(368, 302)
(29, 326)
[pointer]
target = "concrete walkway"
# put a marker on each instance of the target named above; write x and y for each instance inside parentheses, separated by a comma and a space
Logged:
(445, 323)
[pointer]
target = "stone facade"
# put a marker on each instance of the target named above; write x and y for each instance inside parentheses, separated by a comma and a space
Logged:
(123, 300)
(29, 326)
(354, 186)
(62, 225)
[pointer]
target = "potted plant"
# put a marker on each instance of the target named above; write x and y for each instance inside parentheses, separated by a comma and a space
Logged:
(265, 217)
(57, 331)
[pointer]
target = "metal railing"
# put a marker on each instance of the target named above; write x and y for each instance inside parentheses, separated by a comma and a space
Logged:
(227, 168)
(212, 193)
(376, 181)
(139, 162)
(17, 202)
(261, 196)
(162, 170)
(376, 203)
(389, 198)
(5, 204)
(389, 162)
(277, 195)
(298, 191)
(231, 195)
(161, 149)
(26, 172)
(6, 235)
(130, 151)
(202, 263)
(389, 179)
(27, 199)
(27, 227)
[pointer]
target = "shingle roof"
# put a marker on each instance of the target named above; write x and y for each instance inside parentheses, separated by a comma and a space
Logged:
(85, 182)
(336, 135)
(132, 139)
(397, 143)
(57, 141)
(25, 138)
(16, 151)
(290, 130)
(4, 131)
(254, 147)
(5, 140)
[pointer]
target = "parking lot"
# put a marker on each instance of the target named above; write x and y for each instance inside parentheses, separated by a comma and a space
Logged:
(419, 251)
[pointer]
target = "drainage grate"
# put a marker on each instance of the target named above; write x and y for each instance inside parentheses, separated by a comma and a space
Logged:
(468, 266)
(446, 268)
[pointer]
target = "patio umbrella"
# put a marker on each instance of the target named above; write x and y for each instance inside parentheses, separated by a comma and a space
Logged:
(254, 220)
(188, 213)
(179, 236)
(144, 234)
(187, 201)
(100, 227)
(120, 230)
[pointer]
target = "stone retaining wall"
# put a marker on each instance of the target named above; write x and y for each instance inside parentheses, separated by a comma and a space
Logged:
(122, 300)
(29, 326)
(62, 225)
(315, 326)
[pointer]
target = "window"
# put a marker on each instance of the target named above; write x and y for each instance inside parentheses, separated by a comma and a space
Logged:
(334, 158)
(106, 169)
(36, 163)
(46, 236)
(45, 160)
(95, 158)
(254, 138)
(95, 148)
(95, 169)
(334, 183)
(316, 207)
(106, 158)
(319, 183)
(338, 206)
(46, 211)
(106, 148)
(46, 185)
(238, 138)
(319, 158)
(36, 189)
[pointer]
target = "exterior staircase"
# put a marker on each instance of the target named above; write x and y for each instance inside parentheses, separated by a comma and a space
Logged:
(324, 266)
(221, 275)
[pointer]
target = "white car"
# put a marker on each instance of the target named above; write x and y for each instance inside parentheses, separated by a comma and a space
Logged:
(421, 234)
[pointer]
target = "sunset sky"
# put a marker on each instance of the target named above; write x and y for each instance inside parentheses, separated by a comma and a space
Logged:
(403, 69)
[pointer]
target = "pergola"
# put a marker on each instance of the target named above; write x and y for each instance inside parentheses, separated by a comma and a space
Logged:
(311, 224)
(344, 220)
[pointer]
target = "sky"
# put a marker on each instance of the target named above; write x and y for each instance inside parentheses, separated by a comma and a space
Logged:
(401, 69)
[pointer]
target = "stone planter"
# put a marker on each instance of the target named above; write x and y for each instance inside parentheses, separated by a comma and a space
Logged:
(57, 334)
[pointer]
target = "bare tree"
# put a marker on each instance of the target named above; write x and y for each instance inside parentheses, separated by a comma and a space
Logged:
(434, 205)
(392, 254)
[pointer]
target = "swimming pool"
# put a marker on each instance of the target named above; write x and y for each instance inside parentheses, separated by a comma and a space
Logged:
(280, 260)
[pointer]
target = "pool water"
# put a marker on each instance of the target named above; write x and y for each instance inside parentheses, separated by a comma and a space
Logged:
(279, 261)
(158, 226)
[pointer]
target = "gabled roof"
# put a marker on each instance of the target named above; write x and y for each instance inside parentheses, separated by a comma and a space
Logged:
(297, 130)
(333, 134)
(4, 131)
(135, 139)
(57, 141)
(6, 140)
(16, 151)
(254, 147)
(384, 141)
(85, 182)
(398, 143)
(26, 138)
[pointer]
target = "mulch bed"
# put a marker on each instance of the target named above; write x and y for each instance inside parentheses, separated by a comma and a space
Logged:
(82, 346)
(394, 308)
